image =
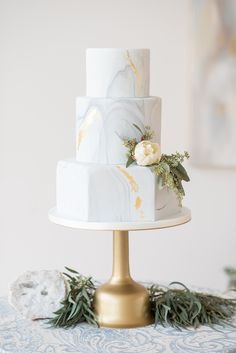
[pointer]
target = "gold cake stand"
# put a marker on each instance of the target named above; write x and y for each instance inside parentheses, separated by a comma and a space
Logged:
(122, 302)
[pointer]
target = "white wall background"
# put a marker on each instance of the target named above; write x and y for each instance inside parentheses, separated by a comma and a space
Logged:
(42, 70)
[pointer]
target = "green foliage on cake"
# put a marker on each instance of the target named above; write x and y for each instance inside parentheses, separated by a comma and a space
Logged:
(168, 167)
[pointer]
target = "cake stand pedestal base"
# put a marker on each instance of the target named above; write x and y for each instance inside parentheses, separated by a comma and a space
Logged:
(122, 302)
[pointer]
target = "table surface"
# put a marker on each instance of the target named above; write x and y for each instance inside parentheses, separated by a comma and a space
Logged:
(18, 335)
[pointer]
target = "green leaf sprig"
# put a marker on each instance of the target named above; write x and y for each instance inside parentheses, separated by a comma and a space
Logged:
(177, 307)
(182, 308)
(172, 172)
(78, 305)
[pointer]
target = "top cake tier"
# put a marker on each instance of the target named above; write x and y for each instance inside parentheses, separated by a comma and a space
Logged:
(117, 72)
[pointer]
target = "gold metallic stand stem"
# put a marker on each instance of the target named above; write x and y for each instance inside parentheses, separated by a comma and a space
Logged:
(122, 302)
(120, 270)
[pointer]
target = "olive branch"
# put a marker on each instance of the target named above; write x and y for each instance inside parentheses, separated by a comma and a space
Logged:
(180, 308)
(183, 308)
(78, 305)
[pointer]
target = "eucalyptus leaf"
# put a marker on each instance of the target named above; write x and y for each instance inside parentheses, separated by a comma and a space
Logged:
(183, 172)
(71, 270)
(177, 173)
(179, 284)
(138, 128)
(129, 161)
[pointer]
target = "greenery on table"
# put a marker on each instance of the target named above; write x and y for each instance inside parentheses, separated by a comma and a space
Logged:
(231, 272)
(78, 305)
(183, 308)
(171, 306)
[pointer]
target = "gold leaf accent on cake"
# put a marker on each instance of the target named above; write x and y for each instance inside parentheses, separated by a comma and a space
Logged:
(92, 115)
(132, 182)
(138, 202)
(134, 188)
(135, 71)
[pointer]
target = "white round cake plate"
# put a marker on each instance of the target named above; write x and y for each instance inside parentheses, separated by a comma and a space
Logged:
(122, 302)
(176, 219)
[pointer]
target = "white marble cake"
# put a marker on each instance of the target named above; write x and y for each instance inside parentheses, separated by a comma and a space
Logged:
(101, 123)
(96, 192)
(117, 72)
(96, 186)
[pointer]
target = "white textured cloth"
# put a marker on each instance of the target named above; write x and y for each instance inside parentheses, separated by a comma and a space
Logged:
(18, 335)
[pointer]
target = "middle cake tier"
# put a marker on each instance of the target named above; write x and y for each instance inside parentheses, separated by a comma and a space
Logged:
(103, 123)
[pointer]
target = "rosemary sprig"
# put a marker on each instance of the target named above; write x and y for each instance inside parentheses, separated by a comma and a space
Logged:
(78, 305)
(182, 308)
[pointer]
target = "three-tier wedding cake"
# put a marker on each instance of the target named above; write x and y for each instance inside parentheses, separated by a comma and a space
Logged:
(96, 185)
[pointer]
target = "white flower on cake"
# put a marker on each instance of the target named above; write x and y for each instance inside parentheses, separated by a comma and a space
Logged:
(147, 153)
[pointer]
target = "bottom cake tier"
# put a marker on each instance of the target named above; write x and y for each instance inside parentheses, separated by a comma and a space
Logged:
(112, 193)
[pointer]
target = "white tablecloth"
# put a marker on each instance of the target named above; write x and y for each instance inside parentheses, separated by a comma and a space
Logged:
(18, 335)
